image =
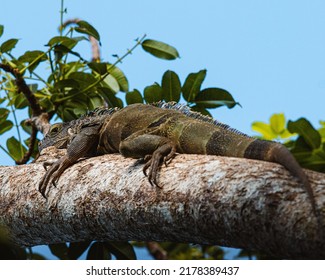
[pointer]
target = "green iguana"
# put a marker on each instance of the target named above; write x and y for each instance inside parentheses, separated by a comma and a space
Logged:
(155, 133)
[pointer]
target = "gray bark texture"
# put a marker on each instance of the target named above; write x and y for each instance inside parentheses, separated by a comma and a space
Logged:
(203, 199)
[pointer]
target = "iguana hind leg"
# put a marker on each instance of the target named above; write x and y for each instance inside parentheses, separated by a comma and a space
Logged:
(154, 149)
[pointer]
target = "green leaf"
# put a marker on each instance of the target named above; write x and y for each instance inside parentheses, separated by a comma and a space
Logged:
(119, 77)
(5, 126)
(26, 127)
(153, 93)
(201, 110)
(99, 67)
(30, 56)
(59, 250)
(62, 40)
(112, 83)
(121, 250)
(67, 83)
(215, 97)
(265, 129)
(96, 102)
(192, 85)
(86, 28)
(76, 249)
(8, 45)
(61, 50)
(3, 114)
(109, 97)
(133, 97)
(160, 49)
(1, 29)
(21, 101)
(82, 78)
(171, 86)
(98, 251)
(304, 128)
(15, 149)
(33, 58)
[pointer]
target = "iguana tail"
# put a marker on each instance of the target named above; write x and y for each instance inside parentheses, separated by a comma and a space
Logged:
(275, 152)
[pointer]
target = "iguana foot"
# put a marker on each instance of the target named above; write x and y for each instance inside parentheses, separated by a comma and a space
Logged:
(154, 161)
(53, 173)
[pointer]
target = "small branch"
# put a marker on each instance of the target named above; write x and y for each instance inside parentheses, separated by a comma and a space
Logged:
(34, 105)
(23, 87)
(31, 145)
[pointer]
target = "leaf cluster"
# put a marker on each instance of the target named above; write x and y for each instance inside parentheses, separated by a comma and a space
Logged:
(305, 142)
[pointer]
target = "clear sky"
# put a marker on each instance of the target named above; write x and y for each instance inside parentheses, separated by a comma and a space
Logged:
(269, 54)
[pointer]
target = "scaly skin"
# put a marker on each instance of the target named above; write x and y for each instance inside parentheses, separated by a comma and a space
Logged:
(155, 133)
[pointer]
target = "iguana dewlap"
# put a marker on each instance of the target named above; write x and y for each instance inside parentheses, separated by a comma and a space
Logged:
(155, 133)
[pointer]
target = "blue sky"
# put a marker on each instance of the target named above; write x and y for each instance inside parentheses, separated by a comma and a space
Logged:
(269, 54)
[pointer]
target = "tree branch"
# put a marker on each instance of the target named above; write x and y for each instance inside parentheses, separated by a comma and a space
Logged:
(204, 199)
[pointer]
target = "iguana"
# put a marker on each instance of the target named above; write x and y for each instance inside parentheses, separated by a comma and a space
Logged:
(155, 133)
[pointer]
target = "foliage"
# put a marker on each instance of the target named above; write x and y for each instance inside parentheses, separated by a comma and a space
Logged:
(305, 142)
(60, 82)
(74, 85)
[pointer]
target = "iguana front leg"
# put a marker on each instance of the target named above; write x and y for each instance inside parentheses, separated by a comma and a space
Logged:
(84, 144)
(153, 148)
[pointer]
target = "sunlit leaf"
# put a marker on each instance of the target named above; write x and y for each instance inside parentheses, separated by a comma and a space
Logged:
(8, 45)
(192, 85)
(304, 128)
(171, 86)
(264, 129)
(133, 97)
(111, 82)
(278, 123)
(160, 49)
(119, 77)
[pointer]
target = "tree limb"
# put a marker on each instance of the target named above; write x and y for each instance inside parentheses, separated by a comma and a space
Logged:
(204, 199)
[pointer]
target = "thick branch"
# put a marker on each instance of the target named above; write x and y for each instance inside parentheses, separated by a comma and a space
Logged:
(204, 199)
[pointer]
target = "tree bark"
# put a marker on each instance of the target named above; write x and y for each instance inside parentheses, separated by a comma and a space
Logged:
(204, 199)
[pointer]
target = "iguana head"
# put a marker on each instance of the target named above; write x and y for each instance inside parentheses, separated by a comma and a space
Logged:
(58, 136)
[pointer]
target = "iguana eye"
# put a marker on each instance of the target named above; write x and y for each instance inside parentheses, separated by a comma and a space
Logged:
(55, 129)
